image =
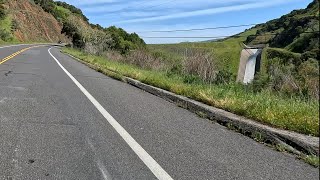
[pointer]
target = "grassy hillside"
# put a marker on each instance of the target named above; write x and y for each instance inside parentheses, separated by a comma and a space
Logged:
(297, 31)
(226, 53)
(289, 66)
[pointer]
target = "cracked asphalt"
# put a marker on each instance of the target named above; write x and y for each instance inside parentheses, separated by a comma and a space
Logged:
(50, 130)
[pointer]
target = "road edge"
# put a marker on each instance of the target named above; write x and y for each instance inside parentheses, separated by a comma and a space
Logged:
(292, 142)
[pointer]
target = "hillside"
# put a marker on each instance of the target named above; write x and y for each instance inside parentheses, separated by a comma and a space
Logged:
(28, 22)
(297, 31)
(53, 21)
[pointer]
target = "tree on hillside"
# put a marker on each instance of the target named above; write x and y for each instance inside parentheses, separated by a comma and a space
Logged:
(96, 41)
(47, 5)
(2, 10)
(123, 41)
(71, 29)
(93, 41)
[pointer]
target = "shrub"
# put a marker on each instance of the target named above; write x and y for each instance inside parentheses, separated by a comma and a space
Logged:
(47, 5)
(200, 63)
(14, 25)
(2, 10)
(5, 35)
(71, 30)
(144, 59)
(288, 78)
(285, 57)
(261, 81)
(309, 73)
(123, 41)
(224, 77)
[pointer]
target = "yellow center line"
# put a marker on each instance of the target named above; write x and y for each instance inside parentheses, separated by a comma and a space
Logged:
(15, 54)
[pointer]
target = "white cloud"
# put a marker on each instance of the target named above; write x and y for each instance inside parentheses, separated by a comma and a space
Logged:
(132, 15)
(160, 5)
(143, 31)
(207, 11)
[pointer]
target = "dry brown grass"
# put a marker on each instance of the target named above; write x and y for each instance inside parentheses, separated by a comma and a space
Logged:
(200, 63)
(144, 59)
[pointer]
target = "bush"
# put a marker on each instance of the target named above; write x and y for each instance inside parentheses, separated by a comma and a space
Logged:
(71, 30)
(5, 35)
(123, 41)
(261, 81)
(201, 64)
(224, 77)
(309, 73)
(2, 10)
(290, 78)
(14, 25)
(309, 54)
(285, 57)
(47, 5)
(144, 59)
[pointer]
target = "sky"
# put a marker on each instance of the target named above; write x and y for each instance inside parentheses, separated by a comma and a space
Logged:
(143, 16)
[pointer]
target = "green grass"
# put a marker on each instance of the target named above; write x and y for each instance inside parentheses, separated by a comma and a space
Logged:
(61, 12)
(312, 160)
(6, 23)
(266, 107)
(5, 29)
(226, 52)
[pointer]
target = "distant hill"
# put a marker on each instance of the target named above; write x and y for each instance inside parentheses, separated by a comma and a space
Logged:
(297, 31)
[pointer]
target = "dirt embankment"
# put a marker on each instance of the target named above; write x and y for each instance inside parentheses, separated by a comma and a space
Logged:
(32, 23)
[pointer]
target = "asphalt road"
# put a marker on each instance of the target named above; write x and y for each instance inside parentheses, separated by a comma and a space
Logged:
(76, 123)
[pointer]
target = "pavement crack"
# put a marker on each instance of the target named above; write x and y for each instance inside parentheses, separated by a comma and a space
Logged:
(7, 73)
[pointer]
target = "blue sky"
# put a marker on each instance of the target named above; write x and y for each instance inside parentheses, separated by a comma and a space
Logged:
(148, 15)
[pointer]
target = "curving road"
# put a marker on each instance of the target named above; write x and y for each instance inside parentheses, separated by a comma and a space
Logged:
(61, 120)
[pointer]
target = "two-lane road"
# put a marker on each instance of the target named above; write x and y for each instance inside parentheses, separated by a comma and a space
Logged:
(62, 120)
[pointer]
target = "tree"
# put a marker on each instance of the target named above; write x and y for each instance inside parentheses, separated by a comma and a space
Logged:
(2, 10)
(123, 41)
(47, 5)
(70, 28)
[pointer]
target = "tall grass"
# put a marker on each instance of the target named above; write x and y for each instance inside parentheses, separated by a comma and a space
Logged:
(5, 29)
(291, 113)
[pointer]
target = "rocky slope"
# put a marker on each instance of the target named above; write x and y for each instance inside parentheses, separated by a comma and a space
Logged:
(30, 23)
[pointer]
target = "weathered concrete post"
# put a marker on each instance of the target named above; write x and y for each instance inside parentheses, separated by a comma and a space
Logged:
(249, 60)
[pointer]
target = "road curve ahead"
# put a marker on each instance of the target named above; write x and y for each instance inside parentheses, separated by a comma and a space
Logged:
(62, 120)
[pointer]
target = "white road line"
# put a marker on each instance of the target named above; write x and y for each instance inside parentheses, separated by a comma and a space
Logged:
(156, 169)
